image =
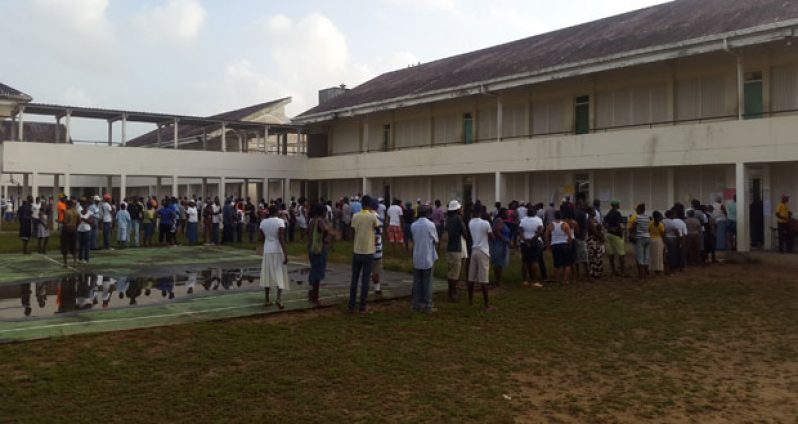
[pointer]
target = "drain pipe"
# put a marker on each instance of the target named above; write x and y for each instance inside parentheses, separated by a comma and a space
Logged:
(740, 81)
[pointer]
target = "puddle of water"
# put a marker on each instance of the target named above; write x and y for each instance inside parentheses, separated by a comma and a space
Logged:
(87, 291)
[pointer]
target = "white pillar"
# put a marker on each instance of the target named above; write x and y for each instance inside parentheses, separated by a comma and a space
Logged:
(364, 186)
(110, 186)
(743, 236)
(265, 191)
(176, 135)
(158, 188)
(174, 186)
(429, 190)
(245, 191)
(21, 123)
(25, 188)
(224, 137)
(286, 190)
(57, 129)
(124, 129)
(34, 184)
(204, 192)
(499, 192)
(110, 132)
(122, 187)
(67, 183)
(56, 185)
(670, 188)
(68, 138)
(222, 191)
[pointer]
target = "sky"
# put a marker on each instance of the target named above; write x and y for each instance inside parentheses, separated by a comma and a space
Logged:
(201, 57)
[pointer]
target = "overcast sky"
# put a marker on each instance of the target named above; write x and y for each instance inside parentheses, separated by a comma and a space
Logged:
(199, 57)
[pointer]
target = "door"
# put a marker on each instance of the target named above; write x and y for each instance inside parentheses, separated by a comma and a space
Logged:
(754, 103)
(386, 194)
(468, 188)
(582, 115)
(468, 129)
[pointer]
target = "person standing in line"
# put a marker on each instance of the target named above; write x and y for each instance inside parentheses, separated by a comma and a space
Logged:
(531, 231)
(395, 234)
(122, 226)
(425, 253)
(479, 264)
(69, 227)
(318, 236)
(363, 224)
(437, 217)
(783, 217)
(302, 218)
(228, 218)
(595, 245)
(25, 217)
(616, 245)
(148, 224)
(84, 234)
(408, 216)
(166, 219)
(580, 219)
(376, 266)
(35, 209)
(207, 223)
(95, 210)
(640, 235)
(500, 245)
(731, 223)
(693, 238)
(456, 247)
(559, 237)
(253, 222)
(381, 208)
(192, 218)
(107, 214)
(656, 230)
(135, 209)
(346, 219)
(216, 219)
(43, 229)
(274, 265)
(674, 241)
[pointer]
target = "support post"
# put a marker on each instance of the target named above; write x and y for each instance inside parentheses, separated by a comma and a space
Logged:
(67, 182)
(222, 191)
(122, 187)
(224, 137)
(175, 192)
(56, 185)
(34, 184)
(110, 132)
(57, 129)
(429, 190)
(158, 188)
(670, 187)
(743, 236)
(364, 186)
(25, 189)
(68, 138)
(109, 188)
(265, 192)
(124, 129)
(245, 191)
(498, 186)
(176, 135)
(204, 144)
(286, 190)
(204, 190)
(285, 144)
(21, 123)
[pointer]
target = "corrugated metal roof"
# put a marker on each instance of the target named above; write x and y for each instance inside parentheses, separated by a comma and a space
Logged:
(11, 93)
(665, 24)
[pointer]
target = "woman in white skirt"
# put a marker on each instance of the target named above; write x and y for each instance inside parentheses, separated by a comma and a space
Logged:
(274, 266)
(657, 231)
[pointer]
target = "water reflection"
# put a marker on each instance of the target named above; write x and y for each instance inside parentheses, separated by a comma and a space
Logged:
(84, 291)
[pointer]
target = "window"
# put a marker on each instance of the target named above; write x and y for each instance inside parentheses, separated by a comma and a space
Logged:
(386, 137)
(752, 93)
(582, 185)
(468, 129)
(784, 88)
(582, 115)
(701, 98)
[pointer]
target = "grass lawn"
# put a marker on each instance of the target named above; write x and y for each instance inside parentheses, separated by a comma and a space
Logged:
(715, 344)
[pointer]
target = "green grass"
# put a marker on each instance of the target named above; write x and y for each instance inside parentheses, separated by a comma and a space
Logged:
(715, 344)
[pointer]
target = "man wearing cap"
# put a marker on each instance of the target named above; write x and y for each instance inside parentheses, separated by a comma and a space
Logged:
(456, 246)
(616, 245)
(425, 241)
(783, 216)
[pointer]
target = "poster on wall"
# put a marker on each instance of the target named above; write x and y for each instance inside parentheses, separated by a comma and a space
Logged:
(604, 195)
(729, 193)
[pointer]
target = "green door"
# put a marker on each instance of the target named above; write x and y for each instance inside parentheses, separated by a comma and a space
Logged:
(468, 129)
(582, 115)
(754, 104)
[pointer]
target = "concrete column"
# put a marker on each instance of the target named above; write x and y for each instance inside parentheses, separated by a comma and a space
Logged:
(122, 187)
(767, 196)
(56, 185)
(245, 191)
(224, 137)
(743, 236)
(21, 123)
(204, 140)
(109, 188)
(158, 188)
(67, 187)
(68, 138)
(57, 129)
(176, 135)
(34, 184)
(265, 190)
(670, 188)
(499, 186)
(222, 191)
(429, 190)
(204, 192)
(25, 187)
(364, 186)
(286, 190)
(110, 132)
(124, 129)
(175, 192)
(527, 191)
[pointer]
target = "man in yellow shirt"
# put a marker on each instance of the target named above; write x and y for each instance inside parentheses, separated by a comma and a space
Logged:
(364, 223)
(783, 216)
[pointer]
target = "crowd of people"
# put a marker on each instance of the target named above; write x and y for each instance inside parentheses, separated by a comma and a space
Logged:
(578, 234)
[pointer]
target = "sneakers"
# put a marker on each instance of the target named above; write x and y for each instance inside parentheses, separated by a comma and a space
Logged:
(537, 285)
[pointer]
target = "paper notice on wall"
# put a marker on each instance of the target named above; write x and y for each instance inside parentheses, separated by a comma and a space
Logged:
(568, 190)
(604, 195)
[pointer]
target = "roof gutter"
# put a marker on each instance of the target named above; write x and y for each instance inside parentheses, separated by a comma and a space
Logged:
(719, 42)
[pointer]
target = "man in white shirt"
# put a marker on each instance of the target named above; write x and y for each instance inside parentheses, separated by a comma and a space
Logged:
(425, 241)
(395, 234)
(106, 212)
(479, 266)
(274, 269)
(531, 246)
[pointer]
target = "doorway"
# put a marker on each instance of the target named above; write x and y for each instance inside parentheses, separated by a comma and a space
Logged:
(386, 194)
(757, 213)
(468, 188)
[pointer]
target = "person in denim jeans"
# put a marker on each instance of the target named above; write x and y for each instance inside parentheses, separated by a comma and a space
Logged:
(425, 240)
(363, 224)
